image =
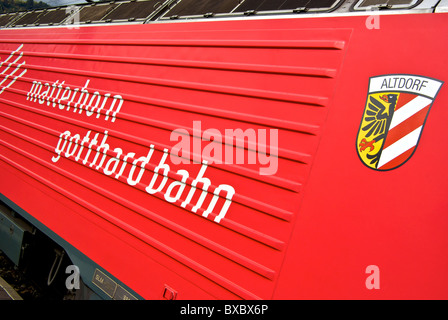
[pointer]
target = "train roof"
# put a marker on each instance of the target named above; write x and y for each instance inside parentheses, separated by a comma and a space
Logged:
(149, 11)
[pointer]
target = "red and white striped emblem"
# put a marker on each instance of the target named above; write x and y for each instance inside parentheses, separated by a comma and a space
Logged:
(394, 117)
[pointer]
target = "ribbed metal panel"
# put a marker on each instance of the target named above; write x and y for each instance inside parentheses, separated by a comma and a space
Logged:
(258, 81)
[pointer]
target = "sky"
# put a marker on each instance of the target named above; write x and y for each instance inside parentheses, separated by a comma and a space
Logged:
(57, 3)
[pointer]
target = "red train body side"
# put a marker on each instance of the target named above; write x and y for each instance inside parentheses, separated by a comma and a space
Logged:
(105, 129)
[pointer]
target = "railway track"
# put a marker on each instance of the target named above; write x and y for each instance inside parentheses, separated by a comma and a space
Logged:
(25, 287)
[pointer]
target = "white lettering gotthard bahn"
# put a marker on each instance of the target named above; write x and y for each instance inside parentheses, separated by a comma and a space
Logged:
(89, 152)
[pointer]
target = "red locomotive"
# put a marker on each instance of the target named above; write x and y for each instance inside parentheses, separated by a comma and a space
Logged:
(227, 149)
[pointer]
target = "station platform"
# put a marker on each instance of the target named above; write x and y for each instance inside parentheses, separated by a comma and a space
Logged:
(7, 292)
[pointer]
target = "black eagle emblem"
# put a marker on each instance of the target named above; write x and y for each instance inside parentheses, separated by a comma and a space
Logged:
(378, 120)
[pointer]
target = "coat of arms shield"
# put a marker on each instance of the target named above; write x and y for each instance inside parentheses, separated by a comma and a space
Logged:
(396, 110)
